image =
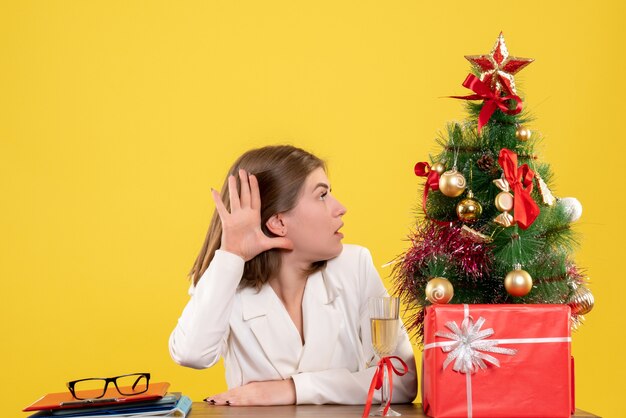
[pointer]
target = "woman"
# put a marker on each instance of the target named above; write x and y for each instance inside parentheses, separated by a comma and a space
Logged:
(277, 294)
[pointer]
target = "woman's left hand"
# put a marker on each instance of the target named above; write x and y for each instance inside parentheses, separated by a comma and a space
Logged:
(273, 392)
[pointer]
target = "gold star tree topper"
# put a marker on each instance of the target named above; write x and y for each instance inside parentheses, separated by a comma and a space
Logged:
(497, 68)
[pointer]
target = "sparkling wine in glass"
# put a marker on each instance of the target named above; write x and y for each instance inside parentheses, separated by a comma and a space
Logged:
(383, 312)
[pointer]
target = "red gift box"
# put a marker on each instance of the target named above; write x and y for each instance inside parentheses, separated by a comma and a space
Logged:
(497, 361)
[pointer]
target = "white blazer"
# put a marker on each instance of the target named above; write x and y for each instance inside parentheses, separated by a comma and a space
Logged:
(259, 341)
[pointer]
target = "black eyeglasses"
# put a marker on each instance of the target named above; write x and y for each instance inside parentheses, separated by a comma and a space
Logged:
(96, 387)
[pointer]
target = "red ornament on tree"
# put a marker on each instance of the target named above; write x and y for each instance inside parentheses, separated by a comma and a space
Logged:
(520, 179)
(497, 68)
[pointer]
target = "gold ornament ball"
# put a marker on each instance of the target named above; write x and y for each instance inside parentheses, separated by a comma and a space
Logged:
(469, 209)
(518, 282)
(438, 167)
(504, 201)
(452, 183)
(523, 133)
(439, 290)
(581, 301)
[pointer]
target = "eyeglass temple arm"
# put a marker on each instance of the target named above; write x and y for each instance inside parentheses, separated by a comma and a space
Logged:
(137, 381)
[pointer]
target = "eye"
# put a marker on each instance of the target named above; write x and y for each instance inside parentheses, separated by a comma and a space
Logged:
(323, 195)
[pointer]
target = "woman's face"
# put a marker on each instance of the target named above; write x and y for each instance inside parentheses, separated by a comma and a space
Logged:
(313, 225)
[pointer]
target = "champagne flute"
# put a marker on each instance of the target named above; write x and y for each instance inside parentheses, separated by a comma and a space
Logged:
(383, 312)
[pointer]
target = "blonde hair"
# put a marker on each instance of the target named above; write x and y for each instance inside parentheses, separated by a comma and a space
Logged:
(281, 171)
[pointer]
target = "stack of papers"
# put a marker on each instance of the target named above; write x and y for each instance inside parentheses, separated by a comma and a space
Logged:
(156, 402)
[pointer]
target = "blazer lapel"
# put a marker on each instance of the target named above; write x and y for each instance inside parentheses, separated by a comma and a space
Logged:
(321, 323)
(269, 325)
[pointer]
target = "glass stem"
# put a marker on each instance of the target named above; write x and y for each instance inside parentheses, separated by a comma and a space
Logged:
(384, 396)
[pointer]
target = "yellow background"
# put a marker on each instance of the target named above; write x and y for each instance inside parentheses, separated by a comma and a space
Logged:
(117, 117)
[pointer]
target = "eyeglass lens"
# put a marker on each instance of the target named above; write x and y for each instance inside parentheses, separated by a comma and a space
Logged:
(132, 384)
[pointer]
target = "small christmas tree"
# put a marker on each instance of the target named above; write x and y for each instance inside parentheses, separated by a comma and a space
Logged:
(491, 231)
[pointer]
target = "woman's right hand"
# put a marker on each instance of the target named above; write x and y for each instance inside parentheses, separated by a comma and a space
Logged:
(241, 228)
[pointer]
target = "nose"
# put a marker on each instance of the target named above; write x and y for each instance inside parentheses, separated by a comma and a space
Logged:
(340, 210)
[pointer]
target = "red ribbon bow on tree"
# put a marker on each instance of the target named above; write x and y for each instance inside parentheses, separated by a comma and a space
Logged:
(492, 100)
(432, 179)
(377, 381)
(525, 209)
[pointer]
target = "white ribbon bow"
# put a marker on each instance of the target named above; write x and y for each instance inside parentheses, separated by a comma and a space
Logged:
(469, 342)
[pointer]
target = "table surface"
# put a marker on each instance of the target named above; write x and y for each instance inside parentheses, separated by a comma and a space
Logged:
(202, 409)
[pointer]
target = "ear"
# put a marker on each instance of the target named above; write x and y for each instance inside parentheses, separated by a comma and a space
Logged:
(276, 225)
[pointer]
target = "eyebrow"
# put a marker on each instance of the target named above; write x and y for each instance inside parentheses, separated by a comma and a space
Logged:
(324, 185)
